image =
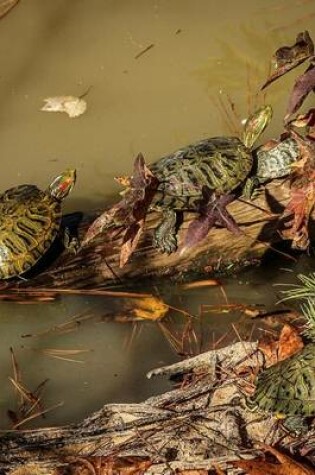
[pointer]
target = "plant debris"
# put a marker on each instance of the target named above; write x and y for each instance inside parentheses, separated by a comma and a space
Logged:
(71, 105)
(212, 211)
(30, 402)
(105, 466)
(289, 57)
(288, 344)
(285, 465)
(302, 196)
(201, 283)
(145, 50)
(130, 212)
(6, 6)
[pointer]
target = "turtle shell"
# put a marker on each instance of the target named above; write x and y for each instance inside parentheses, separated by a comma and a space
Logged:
(288, 388)
(220, 163)
(29, 222)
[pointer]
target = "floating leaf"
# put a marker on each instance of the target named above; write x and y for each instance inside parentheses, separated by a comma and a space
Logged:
(289, 57)
(71, 105)
(149, 308)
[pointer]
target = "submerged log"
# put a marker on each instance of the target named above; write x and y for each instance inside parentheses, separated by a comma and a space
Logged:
(202, 423)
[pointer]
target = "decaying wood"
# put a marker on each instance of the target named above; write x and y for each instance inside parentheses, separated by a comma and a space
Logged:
(194, 426)
(98, 264)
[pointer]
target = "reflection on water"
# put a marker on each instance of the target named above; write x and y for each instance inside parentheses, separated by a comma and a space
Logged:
(154, 102)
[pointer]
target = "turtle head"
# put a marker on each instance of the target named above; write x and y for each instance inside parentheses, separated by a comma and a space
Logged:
(62, 185)
(256, 124)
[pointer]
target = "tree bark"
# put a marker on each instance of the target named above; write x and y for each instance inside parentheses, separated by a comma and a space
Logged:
(97, 264)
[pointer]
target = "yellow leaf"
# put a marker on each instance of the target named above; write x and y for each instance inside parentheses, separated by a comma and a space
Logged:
(150, 308)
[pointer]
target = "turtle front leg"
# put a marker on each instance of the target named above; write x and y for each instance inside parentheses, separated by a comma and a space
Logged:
(71, 243)
(250, 189)
(165, 237)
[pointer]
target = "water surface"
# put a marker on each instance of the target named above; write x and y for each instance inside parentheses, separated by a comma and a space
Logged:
(152, 103)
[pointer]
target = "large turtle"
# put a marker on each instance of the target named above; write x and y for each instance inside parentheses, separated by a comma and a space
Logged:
(221, 164)
(30, 220)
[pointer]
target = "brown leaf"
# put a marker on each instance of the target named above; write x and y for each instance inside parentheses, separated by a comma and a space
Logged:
(303, 85)
(212, 211)
(302, 195)
(304, 120)
(287, 465)
(130, 242)
(289, 343)
(6, 6)
(289, 57)
(104, 466)
(101, 223)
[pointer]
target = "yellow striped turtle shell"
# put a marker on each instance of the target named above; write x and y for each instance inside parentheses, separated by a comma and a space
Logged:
(30, 220)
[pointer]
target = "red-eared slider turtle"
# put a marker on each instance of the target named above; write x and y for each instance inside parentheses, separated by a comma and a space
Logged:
(30, 220)
(287, 389)
(221, 164)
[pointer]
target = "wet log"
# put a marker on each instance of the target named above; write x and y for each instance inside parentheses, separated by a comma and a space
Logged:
(97, 264)
(203, 422)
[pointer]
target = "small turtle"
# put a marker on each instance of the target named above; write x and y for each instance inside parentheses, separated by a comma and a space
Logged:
(30, 220)
(287, 389)
(221, 164)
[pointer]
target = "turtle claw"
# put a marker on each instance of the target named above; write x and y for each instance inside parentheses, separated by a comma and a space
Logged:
(166, 244)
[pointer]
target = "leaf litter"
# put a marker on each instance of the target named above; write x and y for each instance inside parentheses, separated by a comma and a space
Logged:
(302, 177)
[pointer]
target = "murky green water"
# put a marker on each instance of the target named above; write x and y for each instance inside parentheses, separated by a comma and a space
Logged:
(155, 103)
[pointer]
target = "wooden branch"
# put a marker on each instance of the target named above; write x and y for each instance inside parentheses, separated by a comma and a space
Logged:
(194, 426)
(97, 265)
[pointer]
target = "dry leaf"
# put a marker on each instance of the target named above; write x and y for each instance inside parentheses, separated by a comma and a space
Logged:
(149, 308)
(289, 57)
(6, 6)
(303, 85)
(304, 120)
(287, 465)
(104, 466)
(130, 241)
(289, 343)
(71, 105)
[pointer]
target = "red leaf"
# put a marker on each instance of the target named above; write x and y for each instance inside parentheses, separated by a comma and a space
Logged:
(303, 85)
(213, 211)
(289, 57)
